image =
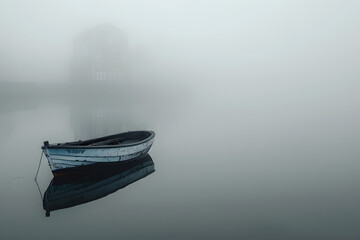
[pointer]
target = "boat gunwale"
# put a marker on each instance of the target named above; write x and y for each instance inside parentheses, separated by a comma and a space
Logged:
(67, 146)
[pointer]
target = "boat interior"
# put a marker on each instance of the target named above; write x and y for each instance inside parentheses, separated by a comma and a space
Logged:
(122, 138)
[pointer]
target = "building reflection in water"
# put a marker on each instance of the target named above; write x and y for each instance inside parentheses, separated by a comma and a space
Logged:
(100, 73)
(90, 122)
(94, 183)
(102, 94)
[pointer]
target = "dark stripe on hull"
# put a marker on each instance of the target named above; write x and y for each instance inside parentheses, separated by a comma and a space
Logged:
(96, 167)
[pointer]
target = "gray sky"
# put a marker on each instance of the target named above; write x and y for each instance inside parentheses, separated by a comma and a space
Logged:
(225, 41)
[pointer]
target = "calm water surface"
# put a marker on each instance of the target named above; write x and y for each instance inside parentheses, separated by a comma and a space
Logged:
(224, 169)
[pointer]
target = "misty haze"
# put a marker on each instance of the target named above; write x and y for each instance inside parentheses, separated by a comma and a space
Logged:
(254, 105)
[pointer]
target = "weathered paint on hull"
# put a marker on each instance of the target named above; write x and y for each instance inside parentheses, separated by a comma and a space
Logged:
(66, 158)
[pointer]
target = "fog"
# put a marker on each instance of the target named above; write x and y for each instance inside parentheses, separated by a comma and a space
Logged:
(254, 105)
(228, 49)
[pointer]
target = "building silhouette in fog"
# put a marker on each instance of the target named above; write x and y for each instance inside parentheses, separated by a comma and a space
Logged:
(100, 73)
(100, 55)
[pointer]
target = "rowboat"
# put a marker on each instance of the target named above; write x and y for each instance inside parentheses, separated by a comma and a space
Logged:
(72, 190)
(65, 158)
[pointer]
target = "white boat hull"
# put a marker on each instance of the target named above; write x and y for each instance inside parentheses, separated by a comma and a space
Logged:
(62, 158)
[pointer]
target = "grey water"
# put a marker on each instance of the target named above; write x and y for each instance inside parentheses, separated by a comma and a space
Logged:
(255, 106)
(270, 172)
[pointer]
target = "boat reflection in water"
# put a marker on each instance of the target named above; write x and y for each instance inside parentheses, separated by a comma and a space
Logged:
(94, 183)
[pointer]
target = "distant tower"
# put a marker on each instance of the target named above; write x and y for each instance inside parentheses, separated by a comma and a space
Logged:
(100, 69)
(100, 56)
